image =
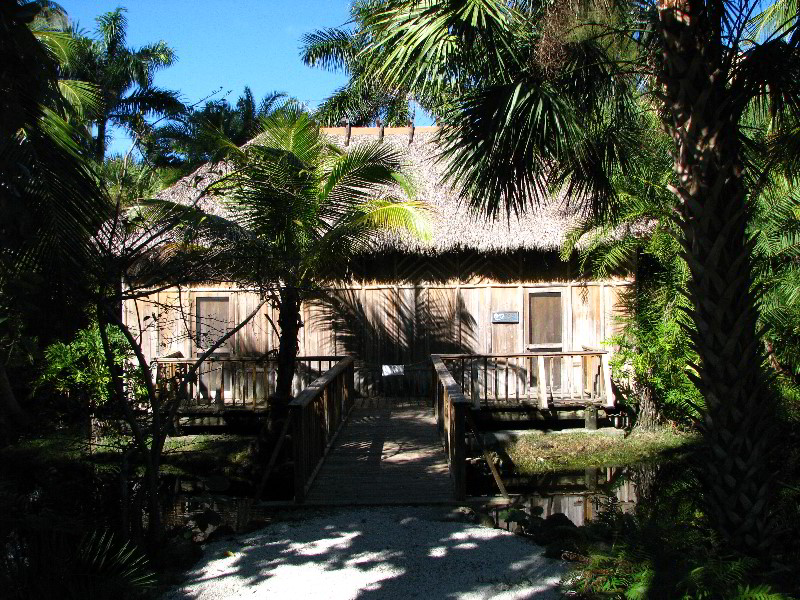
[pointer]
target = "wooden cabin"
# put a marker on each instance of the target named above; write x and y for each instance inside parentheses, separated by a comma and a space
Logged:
(478, 287)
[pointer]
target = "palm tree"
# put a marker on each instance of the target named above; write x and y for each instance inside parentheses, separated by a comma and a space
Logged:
(364, 100)
(193, 139)
(308, 208)
(520, 114)
(51, 201)
(125, 76)
(710, 77)
(704, 71)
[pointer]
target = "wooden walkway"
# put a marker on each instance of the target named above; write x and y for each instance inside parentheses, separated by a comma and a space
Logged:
(389, 452)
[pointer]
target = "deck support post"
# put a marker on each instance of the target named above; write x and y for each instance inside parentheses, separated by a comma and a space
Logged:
(590, 417)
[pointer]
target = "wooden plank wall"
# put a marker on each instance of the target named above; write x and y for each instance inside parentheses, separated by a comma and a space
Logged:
(388, 324)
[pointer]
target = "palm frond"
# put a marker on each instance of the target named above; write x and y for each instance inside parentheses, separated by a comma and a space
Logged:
(500, 142)
(149, 101)
(332, 49)
(357, 174)
(85, 99)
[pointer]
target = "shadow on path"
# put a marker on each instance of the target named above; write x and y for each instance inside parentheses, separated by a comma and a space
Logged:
(375, 553)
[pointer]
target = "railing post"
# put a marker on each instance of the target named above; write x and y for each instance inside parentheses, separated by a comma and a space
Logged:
(542, 383)
(435, 391)
(351, 386)
(610, 401)
(473, 376)
(296, 414)
(458, 465)
(221, 388)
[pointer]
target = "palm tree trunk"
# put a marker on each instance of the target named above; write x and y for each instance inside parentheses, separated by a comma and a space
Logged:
(289, 323)
(703, 115)
(648, 417)
(100, 142)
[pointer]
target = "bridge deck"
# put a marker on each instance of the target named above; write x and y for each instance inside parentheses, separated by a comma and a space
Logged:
(388, 453)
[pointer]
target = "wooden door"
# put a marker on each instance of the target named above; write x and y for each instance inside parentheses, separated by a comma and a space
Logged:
(546, 333)
(212, 320)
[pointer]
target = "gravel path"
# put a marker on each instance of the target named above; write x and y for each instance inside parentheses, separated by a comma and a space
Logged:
(374, 553)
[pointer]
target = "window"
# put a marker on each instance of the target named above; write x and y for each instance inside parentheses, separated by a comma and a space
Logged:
(212, 321)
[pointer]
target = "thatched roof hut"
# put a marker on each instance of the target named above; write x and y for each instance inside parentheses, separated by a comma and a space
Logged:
(455, 226)
(479, 286)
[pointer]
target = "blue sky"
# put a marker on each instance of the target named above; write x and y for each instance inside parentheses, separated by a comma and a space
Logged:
(227, 44)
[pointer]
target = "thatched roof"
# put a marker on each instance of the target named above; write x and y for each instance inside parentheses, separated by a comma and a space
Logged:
(454, 225)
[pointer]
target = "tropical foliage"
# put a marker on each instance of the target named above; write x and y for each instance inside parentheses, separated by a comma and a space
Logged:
(50, 198)
(364, 100)
(79, 373)
(522, 112)
(125, 77)
(193, 139)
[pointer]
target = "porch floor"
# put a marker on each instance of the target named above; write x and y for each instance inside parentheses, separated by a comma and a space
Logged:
(389, 452)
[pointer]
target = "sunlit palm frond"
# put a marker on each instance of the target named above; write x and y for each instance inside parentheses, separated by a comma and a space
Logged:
(292, 131)
(84, 98)
(394, 215)
(420, 45)
(332, 49)
(776, 18)
(357, 174)
(60, 44)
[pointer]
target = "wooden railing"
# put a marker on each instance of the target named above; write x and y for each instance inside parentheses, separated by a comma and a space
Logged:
(247, 382)
(548, 379)
(450, 408)
(317, 414)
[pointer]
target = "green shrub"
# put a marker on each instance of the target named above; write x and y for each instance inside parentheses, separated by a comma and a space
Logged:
(666, 549)
(78, 371)
(52, 564)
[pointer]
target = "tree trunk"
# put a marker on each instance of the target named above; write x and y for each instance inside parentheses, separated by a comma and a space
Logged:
(648, 417)
(100, 142)
(702, 114)
(289, 322)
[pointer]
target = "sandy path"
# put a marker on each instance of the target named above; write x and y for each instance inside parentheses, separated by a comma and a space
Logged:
(373, 553)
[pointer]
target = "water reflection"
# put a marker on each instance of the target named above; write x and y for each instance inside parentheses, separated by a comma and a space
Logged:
(211, 506)
(580, 496)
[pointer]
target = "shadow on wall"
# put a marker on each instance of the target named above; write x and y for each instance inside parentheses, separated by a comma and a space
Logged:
(393, 332)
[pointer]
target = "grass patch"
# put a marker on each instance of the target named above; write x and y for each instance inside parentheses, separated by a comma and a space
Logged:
(193, 455)
(200, 455)
(540, 452)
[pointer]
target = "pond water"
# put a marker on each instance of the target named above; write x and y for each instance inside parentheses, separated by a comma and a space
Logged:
(207, 513)
(580, 496)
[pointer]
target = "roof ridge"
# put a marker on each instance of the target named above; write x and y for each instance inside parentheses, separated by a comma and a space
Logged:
(404, 130)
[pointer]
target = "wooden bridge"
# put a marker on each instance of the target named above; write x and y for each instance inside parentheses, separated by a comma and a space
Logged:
(400, 450)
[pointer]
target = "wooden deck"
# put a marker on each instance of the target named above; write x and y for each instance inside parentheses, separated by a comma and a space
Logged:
(389, 452)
